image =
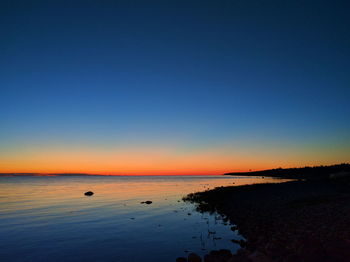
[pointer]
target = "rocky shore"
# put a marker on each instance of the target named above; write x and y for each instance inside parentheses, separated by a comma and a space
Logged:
(295, 221)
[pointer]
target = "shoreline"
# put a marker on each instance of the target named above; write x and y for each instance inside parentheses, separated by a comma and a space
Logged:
(292, 221)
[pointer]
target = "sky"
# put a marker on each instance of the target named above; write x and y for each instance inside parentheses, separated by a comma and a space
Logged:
(173, 87)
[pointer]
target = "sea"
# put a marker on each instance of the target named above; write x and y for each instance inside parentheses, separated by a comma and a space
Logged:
(48, 218)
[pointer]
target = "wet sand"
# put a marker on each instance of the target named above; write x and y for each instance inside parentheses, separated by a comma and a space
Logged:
(291, 221)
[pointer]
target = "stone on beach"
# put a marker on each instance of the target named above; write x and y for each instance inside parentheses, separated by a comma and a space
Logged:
(193, 257)
(223, 255)
(240, 242)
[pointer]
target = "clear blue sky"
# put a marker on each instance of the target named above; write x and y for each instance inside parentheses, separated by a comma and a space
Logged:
(237, 78)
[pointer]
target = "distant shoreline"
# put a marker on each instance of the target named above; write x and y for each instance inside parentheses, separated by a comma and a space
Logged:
(315, 172)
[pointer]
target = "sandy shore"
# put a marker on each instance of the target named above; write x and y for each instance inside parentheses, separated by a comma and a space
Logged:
(292, 221)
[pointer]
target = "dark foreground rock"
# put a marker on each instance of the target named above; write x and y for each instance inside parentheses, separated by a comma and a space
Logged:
(88, 193)
(192, 257)
(222, 255)
(302, 221)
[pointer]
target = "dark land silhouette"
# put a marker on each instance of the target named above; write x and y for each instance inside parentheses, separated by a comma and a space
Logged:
(307, 219)
(316, 172)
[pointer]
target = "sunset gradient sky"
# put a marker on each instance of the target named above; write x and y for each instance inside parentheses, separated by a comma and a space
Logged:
(173, 87)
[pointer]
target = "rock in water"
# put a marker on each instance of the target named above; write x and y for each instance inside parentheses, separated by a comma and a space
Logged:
(88, 193)
(146, 202)
(193, 257)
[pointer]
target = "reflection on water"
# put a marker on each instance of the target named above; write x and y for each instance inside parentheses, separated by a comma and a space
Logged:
(50, 219)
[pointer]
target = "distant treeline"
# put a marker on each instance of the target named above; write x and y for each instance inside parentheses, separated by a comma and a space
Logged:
(316, 172)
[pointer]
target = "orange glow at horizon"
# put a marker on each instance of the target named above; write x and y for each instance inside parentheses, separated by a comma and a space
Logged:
(117, 163)
(153, 161)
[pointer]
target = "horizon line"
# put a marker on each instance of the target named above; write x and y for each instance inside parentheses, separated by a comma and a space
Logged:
(88, 174)
(150, 174)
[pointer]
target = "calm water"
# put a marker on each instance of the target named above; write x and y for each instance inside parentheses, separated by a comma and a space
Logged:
(50, 219)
